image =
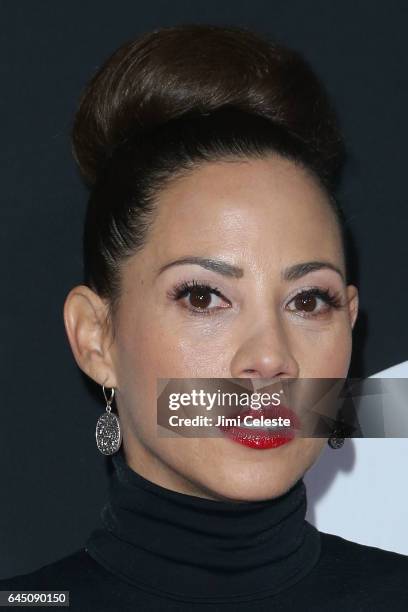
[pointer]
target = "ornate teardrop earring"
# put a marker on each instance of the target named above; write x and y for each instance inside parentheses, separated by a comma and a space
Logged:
(108, 433)
(335, 440)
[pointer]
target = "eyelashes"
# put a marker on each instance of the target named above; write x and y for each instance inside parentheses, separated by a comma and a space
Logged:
(332, 300)
(197, 290)
(304, 299)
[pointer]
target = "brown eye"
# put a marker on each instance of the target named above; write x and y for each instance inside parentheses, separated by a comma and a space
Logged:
(305, 302)
(200, 297)
(315, 302)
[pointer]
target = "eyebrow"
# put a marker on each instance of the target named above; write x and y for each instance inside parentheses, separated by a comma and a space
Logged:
(221, 267)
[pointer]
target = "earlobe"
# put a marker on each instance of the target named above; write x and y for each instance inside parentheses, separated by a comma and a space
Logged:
(84, 316)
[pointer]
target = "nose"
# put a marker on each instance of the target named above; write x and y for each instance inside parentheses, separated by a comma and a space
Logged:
(264, 352)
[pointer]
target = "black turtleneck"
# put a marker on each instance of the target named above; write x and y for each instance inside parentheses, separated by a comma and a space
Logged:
(230, 551)
(162, 550)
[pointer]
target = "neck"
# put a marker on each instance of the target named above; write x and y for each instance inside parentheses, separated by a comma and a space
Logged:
(154, 536)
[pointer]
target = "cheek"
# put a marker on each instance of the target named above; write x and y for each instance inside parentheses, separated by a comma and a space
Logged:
(168, 355)
(324, 354)
(187, 349)
(148, 352)
(307, 452)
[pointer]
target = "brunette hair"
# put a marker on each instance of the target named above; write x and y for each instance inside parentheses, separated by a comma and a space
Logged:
(180, 96)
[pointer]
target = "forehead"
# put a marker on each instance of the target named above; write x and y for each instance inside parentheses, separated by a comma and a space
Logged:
(254, 208)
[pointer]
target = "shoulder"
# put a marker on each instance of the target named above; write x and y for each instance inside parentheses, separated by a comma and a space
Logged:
(89, 584)
(378, 576)
(77, 570)
(340, 550)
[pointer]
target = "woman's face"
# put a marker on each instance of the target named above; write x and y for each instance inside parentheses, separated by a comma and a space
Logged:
(262, 216)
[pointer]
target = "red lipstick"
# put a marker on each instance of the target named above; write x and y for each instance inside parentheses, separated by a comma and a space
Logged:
(268, 427)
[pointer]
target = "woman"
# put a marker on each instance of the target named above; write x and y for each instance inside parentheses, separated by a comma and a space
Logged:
(213, 248)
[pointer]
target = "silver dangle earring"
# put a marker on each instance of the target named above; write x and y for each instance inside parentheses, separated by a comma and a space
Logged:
(339, 432)
(108, 433)
(335, 440)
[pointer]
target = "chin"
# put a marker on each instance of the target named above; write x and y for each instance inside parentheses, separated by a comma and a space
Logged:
(252, 486)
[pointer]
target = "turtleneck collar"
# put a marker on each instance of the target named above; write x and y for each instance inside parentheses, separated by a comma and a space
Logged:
(195, 549)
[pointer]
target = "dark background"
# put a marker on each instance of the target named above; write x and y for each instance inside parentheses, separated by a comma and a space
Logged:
(53, 479)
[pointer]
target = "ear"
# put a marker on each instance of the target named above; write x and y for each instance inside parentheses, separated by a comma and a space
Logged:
(90, 335)
(353, 301)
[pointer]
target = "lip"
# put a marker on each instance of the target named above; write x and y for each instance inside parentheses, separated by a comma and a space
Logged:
(261, 438)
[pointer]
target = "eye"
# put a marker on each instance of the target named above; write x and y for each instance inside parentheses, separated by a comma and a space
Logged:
(307, 302)
(201, 298)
